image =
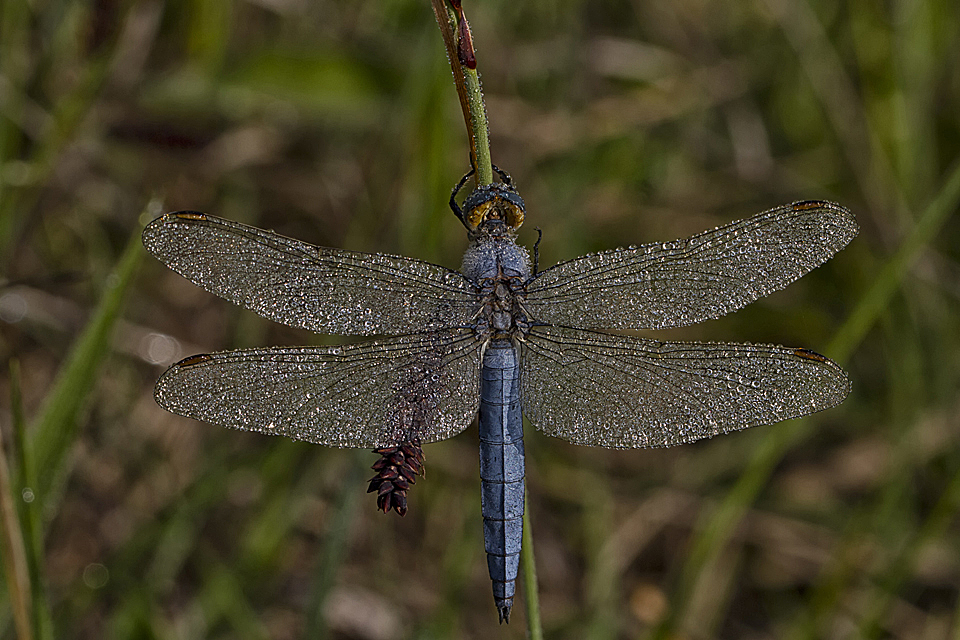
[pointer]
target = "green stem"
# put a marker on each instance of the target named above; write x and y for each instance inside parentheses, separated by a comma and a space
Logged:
(531, 596)
(463, 62)
(479, 131)
(334, 549)
(11, 540)
(29, 513)
(459, 44)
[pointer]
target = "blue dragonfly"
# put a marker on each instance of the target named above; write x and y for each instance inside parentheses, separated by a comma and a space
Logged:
(501, 340)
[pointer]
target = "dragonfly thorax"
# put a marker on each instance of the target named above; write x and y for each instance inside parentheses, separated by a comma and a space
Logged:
(501, 270)
(501, 314)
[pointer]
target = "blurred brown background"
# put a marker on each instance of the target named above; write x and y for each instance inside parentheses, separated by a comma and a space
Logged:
(337, 123)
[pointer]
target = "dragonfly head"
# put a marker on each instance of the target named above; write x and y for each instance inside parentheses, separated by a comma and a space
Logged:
(497, 206)
(493, 202)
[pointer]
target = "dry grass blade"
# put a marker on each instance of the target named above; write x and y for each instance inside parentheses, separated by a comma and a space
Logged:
(11, 536)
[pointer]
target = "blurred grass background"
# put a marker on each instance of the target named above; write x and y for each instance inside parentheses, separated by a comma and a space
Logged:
(337, 123)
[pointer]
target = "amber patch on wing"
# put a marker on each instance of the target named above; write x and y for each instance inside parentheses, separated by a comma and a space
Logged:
(810, 355)
(808, 204)
(193, 360)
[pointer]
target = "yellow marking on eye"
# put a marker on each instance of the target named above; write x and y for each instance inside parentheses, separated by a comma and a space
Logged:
(479, 214)
(514, 215)
(496, 209)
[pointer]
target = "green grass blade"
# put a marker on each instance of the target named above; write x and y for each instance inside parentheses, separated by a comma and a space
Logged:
(891, 276)
(55, 429)
(11, 538)
(903, 564)
(222, 599)
(29, 516)
(334, 549)
(719, 525)
(531, 594)
(45, 450)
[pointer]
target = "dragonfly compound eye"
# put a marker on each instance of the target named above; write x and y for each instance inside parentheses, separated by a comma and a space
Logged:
(494, 202)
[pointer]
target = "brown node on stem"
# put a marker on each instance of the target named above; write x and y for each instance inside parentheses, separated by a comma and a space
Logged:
(465, 51)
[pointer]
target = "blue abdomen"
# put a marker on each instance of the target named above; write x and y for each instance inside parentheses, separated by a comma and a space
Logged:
(501, 468)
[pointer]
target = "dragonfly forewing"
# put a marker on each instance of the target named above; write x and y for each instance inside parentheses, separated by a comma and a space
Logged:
(625, 392)
(674, 284)
(302, 285)
(373, 394)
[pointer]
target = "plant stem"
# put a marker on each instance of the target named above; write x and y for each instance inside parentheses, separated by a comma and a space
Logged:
(334, 548)
(531, 596)
(14, 551)
(463, 62)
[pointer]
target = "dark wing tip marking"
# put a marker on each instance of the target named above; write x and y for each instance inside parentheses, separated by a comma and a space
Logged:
(812, 355)
(187, 215)
(194, 360)
(160, 391)
(838, 222)
(841, 213)
(176, 216)
(152, 232)
(844, 384)
(804, 205)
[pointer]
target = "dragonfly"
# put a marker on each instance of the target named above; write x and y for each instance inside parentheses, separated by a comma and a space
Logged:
(499, 340)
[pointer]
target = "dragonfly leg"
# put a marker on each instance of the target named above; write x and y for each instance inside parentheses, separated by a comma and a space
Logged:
(457, 211)
(536, 252)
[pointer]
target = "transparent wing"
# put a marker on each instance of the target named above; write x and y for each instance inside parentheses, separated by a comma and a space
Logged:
(626, 392)
(371, 394)
(674, 284)
(302, 285)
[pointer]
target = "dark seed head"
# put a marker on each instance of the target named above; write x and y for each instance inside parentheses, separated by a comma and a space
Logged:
(397, 469)
(400, 503)
(412, 450)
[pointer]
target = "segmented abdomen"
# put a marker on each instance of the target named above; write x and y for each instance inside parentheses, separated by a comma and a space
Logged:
(501, 468)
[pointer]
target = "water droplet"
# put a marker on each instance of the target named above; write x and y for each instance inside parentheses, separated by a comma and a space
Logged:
(13, 307)
(95, 575)
(159, 348)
